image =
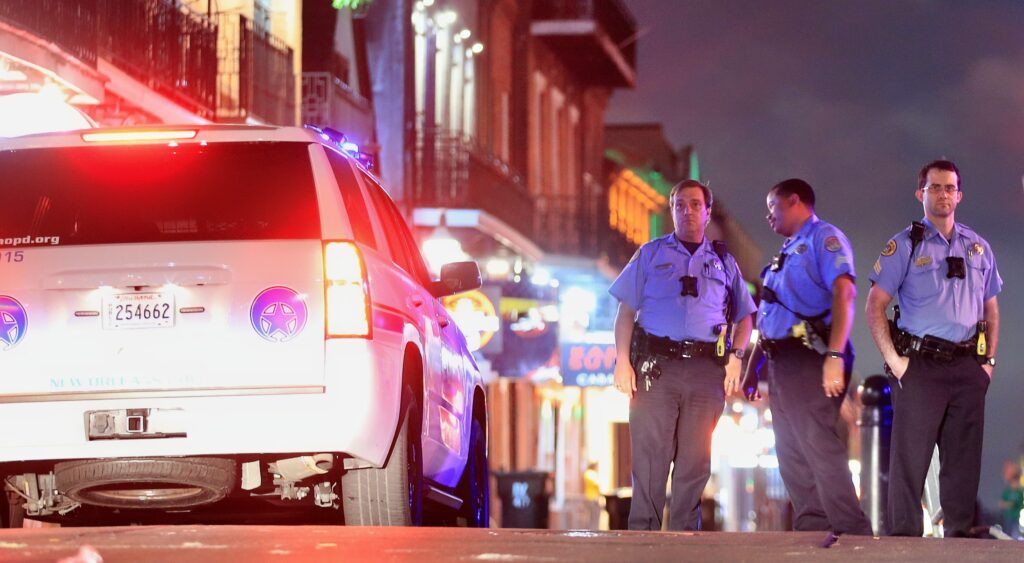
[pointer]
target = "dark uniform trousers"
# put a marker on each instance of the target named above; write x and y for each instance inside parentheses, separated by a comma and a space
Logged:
(936, 403)
(813, 460)
(673, 422)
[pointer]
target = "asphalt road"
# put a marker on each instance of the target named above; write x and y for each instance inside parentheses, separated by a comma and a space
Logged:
(334, 543)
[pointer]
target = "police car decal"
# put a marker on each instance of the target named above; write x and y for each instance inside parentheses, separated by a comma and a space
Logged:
(278, 314)
(13, 322)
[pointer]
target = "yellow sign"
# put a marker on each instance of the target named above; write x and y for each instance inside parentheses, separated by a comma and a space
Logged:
(475, 315)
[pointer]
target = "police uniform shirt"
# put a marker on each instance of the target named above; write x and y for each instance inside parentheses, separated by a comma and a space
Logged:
(817, 255)
(650, 284)
(930, 302)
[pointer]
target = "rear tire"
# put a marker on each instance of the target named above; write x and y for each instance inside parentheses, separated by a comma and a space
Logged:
(391, 495)
(475, 487)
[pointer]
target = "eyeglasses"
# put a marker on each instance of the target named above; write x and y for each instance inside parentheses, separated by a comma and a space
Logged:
(949, 190)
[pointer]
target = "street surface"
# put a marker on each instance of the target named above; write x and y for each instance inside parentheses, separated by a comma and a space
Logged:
(335, 543)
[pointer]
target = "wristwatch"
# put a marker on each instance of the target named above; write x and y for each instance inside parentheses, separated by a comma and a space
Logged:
(990, 361)
(739, 353)
(835, 354)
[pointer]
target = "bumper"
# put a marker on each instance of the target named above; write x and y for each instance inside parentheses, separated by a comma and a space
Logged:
(355, 413)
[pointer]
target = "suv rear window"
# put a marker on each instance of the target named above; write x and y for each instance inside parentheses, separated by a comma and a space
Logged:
(157, 193)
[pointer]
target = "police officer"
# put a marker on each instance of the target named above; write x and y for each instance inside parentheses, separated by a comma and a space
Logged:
(678, 297)
(806, 313)
(938, 353)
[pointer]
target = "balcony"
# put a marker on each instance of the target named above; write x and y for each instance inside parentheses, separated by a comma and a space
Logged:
(328, 102)
(159, 43)
(454, 172)
(256, 81)
(578, 226)
(597, 38)
(163, 45)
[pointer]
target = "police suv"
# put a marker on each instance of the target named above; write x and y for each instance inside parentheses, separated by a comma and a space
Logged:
(194, 320)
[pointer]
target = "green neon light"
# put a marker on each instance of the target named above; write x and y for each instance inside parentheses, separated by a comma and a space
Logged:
(350, 4)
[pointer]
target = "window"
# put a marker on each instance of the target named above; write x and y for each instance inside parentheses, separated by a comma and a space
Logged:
(355, 205)
(159, 193)
(404, 251)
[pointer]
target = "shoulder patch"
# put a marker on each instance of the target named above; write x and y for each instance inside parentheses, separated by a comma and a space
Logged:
(890, 248)
(832, 244)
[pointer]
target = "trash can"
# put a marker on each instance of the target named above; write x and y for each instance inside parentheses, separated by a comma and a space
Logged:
(617, 506)
(524, 499)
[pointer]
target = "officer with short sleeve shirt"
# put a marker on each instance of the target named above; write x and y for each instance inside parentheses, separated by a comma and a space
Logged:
(673, 300)
(940, 352)
(804, 320)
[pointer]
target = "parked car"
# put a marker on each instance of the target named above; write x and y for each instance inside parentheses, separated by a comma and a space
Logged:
(196, 318)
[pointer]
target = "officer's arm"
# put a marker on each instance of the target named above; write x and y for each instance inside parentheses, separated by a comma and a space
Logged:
(741, 334)
(992, 319)
(878, 323)
(625, 318)
(844, 295)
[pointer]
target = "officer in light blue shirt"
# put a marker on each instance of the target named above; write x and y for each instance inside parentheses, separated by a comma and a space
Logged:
(682, 293)
(940, 352)
(806, 313)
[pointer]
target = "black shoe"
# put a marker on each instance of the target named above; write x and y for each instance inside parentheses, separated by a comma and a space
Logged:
(830, 539)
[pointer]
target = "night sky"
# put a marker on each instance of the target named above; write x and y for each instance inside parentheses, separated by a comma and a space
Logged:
(854, 96)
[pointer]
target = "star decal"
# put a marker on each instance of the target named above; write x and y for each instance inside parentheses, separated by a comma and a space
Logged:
(9, 330)
(278, 319)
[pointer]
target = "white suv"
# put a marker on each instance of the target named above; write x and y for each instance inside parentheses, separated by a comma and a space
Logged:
(193, 319)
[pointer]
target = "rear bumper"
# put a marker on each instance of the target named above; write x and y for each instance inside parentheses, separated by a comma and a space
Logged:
(355, 413)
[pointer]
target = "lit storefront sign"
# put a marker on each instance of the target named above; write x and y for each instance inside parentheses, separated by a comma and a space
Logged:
(590, 362)
(475, 315)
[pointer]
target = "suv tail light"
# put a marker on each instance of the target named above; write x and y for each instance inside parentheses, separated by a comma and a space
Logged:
(347, 296)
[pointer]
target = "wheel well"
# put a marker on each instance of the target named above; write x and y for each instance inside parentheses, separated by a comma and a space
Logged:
(412, 373)
(480, 408)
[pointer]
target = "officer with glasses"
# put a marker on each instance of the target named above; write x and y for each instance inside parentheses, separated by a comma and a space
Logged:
(939, 351)
(682, 299)
(806, 313)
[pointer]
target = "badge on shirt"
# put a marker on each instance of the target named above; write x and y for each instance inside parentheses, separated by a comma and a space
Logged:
(801, 249)
(923, 261)
(976, 249)
(890, 248)
(832, 244)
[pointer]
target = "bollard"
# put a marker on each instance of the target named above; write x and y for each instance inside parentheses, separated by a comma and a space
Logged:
(875, 432)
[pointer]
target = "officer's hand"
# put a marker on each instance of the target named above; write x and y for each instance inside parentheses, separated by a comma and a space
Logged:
(625, 378)
(732, 375)
(832, 377)
(988, 369)
(899, 366)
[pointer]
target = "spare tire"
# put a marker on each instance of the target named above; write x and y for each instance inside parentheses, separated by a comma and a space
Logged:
(146, 482)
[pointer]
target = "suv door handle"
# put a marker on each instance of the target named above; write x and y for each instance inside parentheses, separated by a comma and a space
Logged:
(416, 301)
(443, 321)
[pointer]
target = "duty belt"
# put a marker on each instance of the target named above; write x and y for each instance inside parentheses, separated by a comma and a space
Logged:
(935, 347)
(674, 349)
(771, 347)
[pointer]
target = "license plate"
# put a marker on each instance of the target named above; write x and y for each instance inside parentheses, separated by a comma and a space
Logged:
(138, 310)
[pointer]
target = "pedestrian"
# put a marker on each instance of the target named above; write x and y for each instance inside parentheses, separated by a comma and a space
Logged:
(805, 317)
(939, 350)
(1012, 500)
(682, 299)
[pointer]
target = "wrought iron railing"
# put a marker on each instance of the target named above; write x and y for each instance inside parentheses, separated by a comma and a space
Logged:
(453, 171)
(578, 225)
(256, 78)
(163, 45)
(69, 24)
